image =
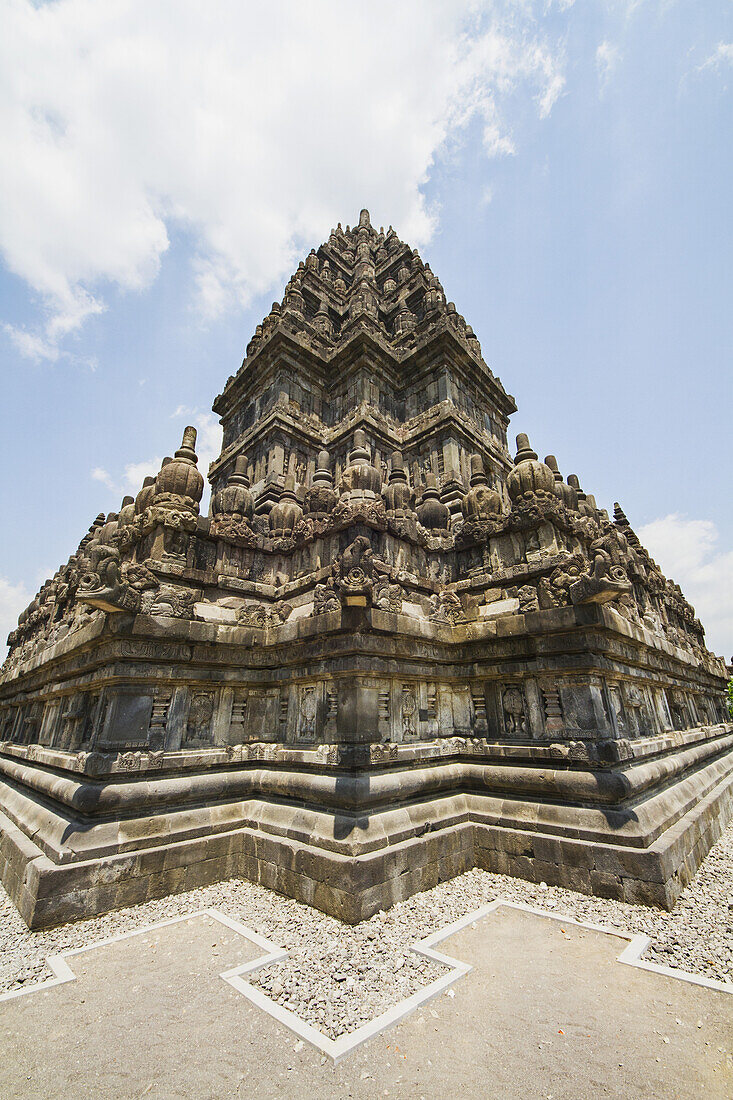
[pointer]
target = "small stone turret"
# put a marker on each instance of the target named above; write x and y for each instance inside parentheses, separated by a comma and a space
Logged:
(293, 302)
(619, 518)
(363, 300)
(432, 513)
(235, 499)
(270, 323)
(127, 511)
(179, 483)
(564, 491)
(287, 512)
(481, 501)
(397, 494)
(360, 480)
(93, 531)
(405, 321)
(581, 497)
(322, 320)
(321, 497)
(529, 474)
(109, 528)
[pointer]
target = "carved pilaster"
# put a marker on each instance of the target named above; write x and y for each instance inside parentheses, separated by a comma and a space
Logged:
(158, 719)
(480, 724)
(554, 725)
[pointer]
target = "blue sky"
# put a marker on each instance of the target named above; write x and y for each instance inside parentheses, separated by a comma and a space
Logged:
(564, 167)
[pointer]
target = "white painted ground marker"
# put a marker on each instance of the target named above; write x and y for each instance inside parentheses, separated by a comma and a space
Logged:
(336, 1049)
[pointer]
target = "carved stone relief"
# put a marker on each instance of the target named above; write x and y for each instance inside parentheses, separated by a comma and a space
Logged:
(200, 714)
(409, 713)
(515, 720)
(307, 713)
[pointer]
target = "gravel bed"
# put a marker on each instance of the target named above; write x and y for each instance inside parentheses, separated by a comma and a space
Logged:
(338, 977)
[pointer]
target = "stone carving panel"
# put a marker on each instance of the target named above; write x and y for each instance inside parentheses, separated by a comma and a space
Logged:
(308, 711)
(200, 716)
(515, 711)
(409, 713)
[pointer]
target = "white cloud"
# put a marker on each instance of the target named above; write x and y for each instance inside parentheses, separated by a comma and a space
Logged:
(627, 8)
(607, 59)
(32, 345)
(100, 474)
(688, 552)
(250, 127)
(13, 599)
(136, 472)
(130, 478)
(721, 56)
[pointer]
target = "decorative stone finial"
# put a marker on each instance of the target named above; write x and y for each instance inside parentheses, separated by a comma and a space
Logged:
(405, 321)
(127, 511)
(145, 495)
(397, 472)
(239, 477)
(575, 484)
(179, 483)
(188, 444)
(473, 339)
(294, 301)
(322, 320)
(524, 450)
(432, 513)
(235, 499)
(360, 480)
(529, 476)
(287, 512)
(360, 450)
(321, 497)
(364, 219)
(619, 518)
(583, 507)
(323, 473)
(397, 494)
(565, 492)
(478, 474)
(481, 501)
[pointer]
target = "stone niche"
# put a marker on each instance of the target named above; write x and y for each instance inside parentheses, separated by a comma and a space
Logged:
(391, 651)
(126, 720)
(584, 709)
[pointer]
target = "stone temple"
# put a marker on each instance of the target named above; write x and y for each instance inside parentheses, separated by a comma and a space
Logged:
(390, 653)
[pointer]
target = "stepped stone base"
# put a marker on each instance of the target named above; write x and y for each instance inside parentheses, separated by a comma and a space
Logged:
(75, 846)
